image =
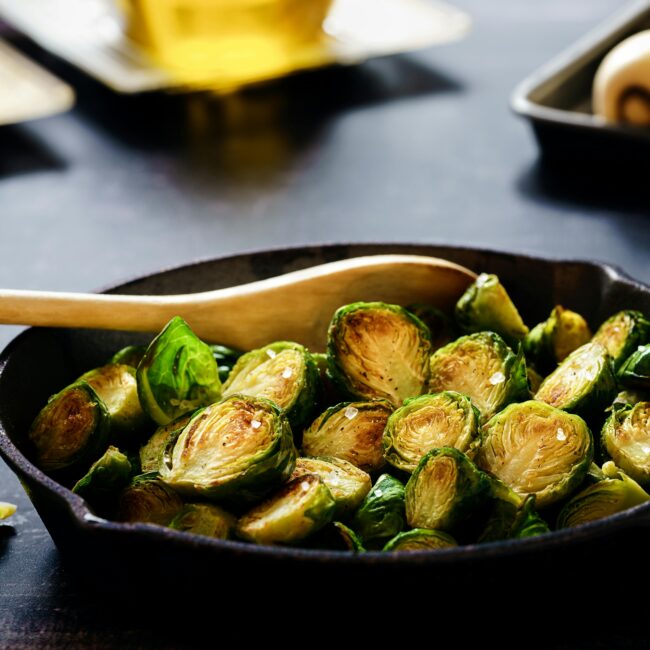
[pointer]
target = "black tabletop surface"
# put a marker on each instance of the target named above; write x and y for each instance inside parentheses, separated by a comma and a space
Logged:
(414, 148)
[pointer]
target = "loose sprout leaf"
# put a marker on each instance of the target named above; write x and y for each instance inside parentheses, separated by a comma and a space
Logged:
(105, 478)
(349, 537)
(635, 371)
(622, 333)
(509, 521)
(381, 514)
(131, 355)
(205, 519)
(420, 539)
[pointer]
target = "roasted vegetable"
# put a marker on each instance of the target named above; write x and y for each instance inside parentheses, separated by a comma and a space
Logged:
(622, 334)
(349, 537)
(131, 355)
(105, 478)
(440, 325)
(351, 431)
(238, 449)
(445, 419)
(301, 507)
(6, 510)
(378, 351)
(635, 370)
(630, 397)
(482, 367)
(226, 358)
(511, 521)
(486, 306)
(445, 490)
(283, 372)
(536, 449)
(148, 500)
(153, 451)
(420, 539)
(177, 374)
(72, 430)
(204, 519)
(381, 514)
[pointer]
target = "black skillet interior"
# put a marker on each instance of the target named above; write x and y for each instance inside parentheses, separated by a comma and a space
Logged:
(41, 361)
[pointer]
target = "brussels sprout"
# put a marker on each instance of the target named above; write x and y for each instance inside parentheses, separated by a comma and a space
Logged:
(482, 367)
(445, 490)
(238, 450)
(177, 374)
(131, 355)
(625, 438)
(378, 351)
(149, 500)
(583, 383)
(622, 333)
(283, 372)
(116, 384)
(300, 508)
(635, 371)
(347, 483)
(420, 539)
(381, 514)
(351, 431)
(71, 430)
(226, 358)
(6, 509)
(594, 474)
(509, 521)
(427, 422)
(487, 306)
(349, 537)
(204, 519)
(551, 341)
(152, 452)
(440, 325)
(105, 478)
(616, 493)
(536, 449)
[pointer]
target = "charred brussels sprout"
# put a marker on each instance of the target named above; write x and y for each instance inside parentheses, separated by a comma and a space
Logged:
(635, 371)
(625, 439)
(622, 333)
(226, 358)
(152, 452)
(381, 514)
(347, 483)
(237, 450)
(351, 431)
(116, 384)
(445, 490)
(300, 508)
(616, 493)
(510, 521)
(487, 306)
(6, 509)
(536, 449)
(583, 383)
(177, 374)
(420, 539)
(204, 519)
(440, 325)
(71, 430)
(148, 500)
(378, 351)
(283, 372)
(349, 537)
(427, 422)
(105, 478)
(482, 367)
(131, 355)
(551, 341)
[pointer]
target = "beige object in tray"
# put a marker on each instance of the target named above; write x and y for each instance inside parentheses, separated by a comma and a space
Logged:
(27, 91)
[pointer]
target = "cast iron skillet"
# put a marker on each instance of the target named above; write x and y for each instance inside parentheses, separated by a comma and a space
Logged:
(41, 360)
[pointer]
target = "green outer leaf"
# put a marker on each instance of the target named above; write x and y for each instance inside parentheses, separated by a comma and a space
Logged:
(420, 539)
(381, 514)
(105, 478)
(635, 370)
(445, 401)
(205, 519)
(131, 355)
(349, 537)
(508, 521)
(454, 504)
(366, 389)
(636, 328)
(177, 374)
(148, 500)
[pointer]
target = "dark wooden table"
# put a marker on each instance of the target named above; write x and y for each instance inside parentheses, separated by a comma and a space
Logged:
(418, 148)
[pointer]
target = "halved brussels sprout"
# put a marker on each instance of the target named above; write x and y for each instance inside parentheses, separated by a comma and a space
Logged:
(509, 521)
(420, 539)
(148, 500)
(583, 383)
(283, 372)
(237, 450)
(625, 438)
(347, 483)
(71, 430)
(6, 509)
(378, 351)
(536, 449)
(482, 367)
(622, 333)
(616, 493)
(131, 355)
(177, 374)
(116, 384)
(635, 371)
(445, 490)
(440, 325)
(445, 419)
(381, 514)
(349, 537)
(300, 508)
(351, 431)
(486, 305)
(551, 341)
(105, 478)
(204, 519)
(152, 452)
(226, 358)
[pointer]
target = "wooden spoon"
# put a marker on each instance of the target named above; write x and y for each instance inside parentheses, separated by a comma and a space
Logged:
(296, 306)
